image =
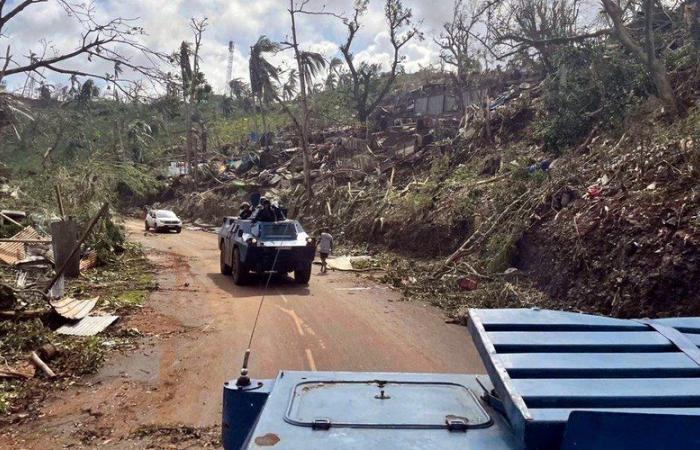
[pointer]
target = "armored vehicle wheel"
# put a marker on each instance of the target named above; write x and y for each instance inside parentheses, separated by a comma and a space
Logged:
(304, 275)
(178, 230)
(223, 267)
(240, 271)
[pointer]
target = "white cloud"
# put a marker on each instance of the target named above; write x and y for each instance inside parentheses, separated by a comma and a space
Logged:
(166, 23)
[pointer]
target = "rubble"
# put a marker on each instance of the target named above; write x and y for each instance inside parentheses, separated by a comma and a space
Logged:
(13, 249)
(20, 370)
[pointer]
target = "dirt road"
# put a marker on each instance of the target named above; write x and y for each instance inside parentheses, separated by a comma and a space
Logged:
(197, 326)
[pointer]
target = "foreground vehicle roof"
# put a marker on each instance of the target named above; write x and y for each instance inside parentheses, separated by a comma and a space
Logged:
(546, 364)
(556, 381)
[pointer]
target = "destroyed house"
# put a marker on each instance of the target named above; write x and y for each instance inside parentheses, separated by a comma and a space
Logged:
(352, 153)
(439, 99)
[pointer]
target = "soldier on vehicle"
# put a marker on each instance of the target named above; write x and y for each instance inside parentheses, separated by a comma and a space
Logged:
(325, 246)
(265, 212)
(245, 211)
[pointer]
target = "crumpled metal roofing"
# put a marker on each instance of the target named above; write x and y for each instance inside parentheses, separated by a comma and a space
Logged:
(73, 308)
(89, 261)
(88, 326)
(11, 252)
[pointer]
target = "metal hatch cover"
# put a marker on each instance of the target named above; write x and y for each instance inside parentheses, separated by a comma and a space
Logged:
(385, 404)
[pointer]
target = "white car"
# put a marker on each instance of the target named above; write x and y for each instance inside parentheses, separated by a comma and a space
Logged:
(163, 220)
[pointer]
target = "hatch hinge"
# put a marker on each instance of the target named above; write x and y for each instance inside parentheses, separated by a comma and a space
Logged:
(321, 424)
(457, 423)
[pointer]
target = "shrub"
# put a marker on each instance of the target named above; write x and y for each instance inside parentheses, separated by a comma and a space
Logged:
(591, 85)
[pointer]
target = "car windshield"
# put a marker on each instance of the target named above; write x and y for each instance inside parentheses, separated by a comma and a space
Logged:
(165, 215)
(284, 230)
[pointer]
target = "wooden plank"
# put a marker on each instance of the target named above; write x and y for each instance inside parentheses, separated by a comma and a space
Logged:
(64, 234)
(562, 414)
(609, 392)
(598, 365)
(521, 319)
(577, 341)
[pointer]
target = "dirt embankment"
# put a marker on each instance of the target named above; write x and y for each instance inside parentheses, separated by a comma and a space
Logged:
(631, 246)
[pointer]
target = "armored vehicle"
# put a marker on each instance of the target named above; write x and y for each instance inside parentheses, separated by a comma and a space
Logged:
(554, 381)
(262, 247)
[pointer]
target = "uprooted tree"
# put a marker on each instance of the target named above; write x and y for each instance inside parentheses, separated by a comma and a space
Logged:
(369, 85)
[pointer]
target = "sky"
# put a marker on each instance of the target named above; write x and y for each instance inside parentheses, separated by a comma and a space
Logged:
(166, 24)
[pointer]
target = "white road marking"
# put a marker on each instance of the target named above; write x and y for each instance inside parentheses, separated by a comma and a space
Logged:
(310, 359)
(297, 321)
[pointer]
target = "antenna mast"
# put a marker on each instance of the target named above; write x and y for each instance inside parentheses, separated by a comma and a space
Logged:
(229, 69)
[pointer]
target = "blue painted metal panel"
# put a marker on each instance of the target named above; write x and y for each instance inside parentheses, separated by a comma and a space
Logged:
(607, 365)
(546, 364)
(582, 341)
(241, 409)
(622, 431)
(562, 414)
(271, 426)
(522, 319)
(381, 403)
(683, 324)
(609, 392)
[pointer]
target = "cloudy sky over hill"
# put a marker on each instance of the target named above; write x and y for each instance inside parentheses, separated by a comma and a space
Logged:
(166, 24)
(242, 21)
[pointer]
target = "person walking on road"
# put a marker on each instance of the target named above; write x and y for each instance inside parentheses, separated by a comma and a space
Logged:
(325, 247)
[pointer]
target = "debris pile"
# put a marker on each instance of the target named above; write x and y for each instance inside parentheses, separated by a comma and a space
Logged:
(496, 211)
(51, 301)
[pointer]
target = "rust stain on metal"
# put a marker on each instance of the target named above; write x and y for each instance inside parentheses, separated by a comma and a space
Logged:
(89, 261)
(11, 252)
(267, 440)
(73, 308)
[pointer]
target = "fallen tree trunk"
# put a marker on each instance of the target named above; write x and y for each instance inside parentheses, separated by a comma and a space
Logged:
(42, 365)
(479, 236)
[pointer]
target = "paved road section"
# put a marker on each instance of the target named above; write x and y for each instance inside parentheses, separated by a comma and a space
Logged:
(197, 327)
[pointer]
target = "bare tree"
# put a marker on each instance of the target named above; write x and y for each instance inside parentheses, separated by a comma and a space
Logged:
(541, 25)
(303, 126)
(691, 20)
(115, 41)
(192, 82)
(645, 51)
(457, 46)
(368, 87)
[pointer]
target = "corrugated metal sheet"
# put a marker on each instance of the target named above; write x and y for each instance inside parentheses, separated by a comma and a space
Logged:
(89, 261)
(11, 252)
(88, 326)
(58, 288)
(73, 308)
